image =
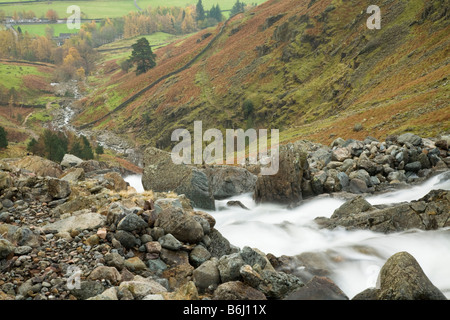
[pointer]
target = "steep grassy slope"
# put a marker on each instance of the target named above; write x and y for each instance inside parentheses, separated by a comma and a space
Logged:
(310, 68)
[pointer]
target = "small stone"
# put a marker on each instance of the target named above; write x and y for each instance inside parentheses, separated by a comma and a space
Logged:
(153, 247)
(135, 264)
(168, 241)
(93, 240)
(199, 255)
(101, 233)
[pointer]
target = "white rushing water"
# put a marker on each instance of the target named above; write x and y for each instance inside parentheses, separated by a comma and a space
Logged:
(275, 229)
(281, 231)
(135, 181)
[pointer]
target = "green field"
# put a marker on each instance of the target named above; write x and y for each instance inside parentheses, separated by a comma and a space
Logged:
(98, 9)
(11, 75)
(39, 29)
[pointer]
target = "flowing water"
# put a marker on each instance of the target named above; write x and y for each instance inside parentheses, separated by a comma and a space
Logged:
(357, 255)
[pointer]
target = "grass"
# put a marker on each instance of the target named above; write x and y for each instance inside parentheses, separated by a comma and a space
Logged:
(39, 29)
(11, 74)
(100, 9)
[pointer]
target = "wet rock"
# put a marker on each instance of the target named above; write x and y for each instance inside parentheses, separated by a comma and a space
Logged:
(402, 278)
(236, 203)
(318, 288)
(353, 206)
(277, 285)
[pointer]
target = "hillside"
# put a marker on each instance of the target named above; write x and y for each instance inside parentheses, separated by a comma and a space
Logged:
(309, 68)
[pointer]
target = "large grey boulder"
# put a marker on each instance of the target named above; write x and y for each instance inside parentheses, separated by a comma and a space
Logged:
(286, 185)
(69, 160)
(228, 181)
(161, 174)
(413, 139)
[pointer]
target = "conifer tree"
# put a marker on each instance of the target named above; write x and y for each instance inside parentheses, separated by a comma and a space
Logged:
(3, 138)
(142, 56)
(200, 11)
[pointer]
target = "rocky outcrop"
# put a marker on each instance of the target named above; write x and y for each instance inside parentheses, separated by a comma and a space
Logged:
(286, 185)
(428, 213)
(201, 185)
(162, 175)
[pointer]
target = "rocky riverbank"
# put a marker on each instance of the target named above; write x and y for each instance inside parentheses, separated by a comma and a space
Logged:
(76, 230)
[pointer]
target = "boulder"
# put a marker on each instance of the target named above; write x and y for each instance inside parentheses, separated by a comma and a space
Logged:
(168, 241)
(126, 239)
(229, 267)
(82, 220)
(199, 255)
(5, 180)
(181, 225)
(6, 248)
(228, 181)
(69, 160)
(413, 139)
(286, 185)
(116, 181)
(237, 290)
(58, 189)
(39, 166)
(132, 222)
(402, 278)
(161, 174)
(207, 275)
(141, 287)
(428, 213)
(341, 154)
(106, 273)
(318, 288)
(87, 289)
(354, 206)
(73, 175)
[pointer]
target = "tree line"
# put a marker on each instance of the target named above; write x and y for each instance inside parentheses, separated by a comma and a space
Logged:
(54, 145)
